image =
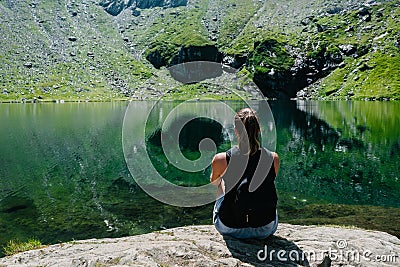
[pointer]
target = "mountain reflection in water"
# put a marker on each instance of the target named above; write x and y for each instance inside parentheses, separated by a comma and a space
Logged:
(63, 175)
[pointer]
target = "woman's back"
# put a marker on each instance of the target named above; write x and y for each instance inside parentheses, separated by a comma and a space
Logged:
(245, 175)
(250, 199)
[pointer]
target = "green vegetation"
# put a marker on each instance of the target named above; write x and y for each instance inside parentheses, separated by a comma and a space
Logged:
(94, 66)
(268, 55)
(244, 43)
(178, 29)
(199, 91)
(49, 53)
(236, 16)
(61, 82)
(15, 246)
(376, 77)
(373, 71)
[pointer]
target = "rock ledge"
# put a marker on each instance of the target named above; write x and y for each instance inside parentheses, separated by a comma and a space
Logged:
(292, 245)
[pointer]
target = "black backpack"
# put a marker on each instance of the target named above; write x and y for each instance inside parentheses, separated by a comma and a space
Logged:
(248, 204)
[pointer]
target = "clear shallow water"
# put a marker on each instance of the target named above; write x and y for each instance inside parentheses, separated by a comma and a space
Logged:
(63, 175)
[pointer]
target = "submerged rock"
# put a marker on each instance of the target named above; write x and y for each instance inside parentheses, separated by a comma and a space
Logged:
(292, 245)
(13, 203)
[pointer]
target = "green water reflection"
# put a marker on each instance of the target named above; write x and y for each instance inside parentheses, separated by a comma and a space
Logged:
(63, 175)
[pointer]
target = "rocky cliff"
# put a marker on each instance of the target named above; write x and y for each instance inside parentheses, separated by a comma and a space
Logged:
(117, 48)
(292, 245)
(115, 7)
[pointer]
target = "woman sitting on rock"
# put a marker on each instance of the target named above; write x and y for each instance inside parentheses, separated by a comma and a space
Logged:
(246, 196)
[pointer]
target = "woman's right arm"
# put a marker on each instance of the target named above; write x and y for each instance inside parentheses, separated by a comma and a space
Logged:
(218, 167)
(276, 162)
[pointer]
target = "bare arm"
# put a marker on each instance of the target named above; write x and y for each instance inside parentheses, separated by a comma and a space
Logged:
(276, 162)
(218, 166)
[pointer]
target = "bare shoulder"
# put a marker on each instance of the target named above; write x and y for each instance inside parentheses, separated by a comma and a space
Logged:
(275, 155)
(218, 167)
(219, 158)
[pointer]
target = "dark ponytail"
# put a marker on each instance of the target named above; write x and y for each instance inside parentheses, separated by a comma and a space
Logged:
(248, 129)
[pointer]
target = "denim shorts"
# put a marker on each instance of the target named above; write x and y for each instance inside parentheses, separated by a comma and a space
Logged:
(248, 232)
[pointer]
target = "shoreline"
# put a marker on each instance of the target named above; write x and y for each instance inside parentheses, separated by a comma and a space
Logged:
(61, 101)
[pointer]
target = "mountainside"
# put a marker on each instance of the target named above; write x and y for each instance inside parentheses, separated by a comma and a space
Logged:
(109, 49)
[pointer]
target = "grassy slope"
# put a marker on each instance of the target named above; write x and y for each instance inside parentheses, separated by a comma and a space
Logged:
(92, 67)
(180, 27)
(237, 15)
(240, 28)
(374, 75)
(63, 69)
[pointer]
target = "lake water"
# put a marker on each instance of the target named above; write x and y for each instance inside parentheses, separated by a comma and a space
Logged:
(63, 174)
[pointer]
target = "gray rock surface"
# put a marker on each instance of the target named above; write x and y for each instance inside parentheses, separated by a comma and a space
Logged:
(204, 246)
(115, 7)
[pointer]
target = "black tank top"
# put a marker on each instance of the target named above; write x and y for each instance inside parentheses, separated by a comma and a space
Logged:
(250, 199)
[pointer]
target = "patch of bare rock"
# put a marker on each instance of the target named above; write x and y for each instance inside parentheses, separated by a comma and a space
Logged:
(292, 245)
